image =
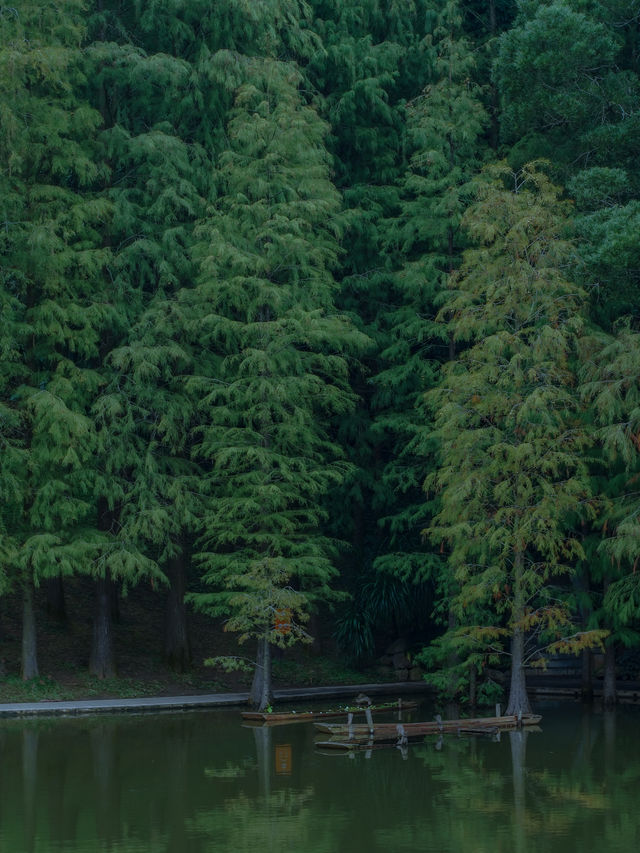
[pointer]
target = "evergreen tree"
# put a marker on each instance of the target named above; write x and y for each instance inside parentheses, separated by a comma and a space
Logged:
(511, 441)
(372, 62)
(445, 124)
(568, 79)
(150, 90)
(52, 296)
(610, 374)
(273, 367)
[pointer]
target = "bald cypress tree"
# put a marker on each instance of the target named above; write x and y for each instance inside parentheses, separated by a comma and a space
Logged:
(512, 473)
(273, 369)
(52, 295)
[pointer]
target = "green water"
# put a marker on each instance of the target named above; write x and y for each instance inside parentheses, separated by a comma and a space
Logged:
(200, 782)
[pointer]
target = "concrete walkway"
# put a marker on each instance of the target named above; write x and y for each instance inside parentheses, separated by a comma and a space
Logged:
(206, 700)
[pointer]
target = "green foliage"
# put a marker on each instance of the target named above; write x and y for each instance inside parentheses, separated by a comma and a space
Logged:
(274, 372)
(511, 471)
(51, 292)
(563, 84)
(181, 282)
(444, 125)
(611, 388)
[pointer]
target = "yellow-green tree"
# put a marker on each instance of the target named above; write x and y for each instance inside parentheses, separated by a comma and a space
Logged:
(511, 476)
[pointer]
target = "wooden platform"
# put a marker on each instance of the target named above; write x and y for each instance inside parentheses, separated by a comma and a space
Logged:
(286, 717)
(344, 737)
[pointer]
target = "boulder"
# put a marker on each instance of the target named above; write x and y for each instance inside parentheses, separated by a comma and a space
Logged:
(416, 673)
(400, 645)
(400, 661)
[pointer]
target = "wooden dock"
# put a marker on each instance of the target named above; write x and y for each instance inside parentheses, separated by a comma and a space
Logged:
(356, 736)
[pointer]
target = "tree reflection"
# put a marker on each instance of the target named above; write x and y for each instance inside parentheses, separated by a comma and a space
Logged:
(101, 785)
(284, 820)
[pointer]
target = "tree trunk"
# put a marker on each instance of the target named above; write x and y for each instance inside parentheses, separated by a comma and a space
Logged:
(518, 699)
(609, 687)
(54, 589)
(102, 661)
(29, 641)
(452, 660)
(581, 585)
(473, 686)
(586, 685)
(177, 648)
(260, 696)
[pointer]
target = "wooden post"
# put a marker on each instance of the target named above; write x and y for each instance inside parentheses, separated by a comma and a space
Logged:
(367, 713)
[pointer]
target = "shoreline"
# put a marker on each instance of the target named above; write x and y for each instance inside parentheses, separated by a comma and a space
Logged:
(153, 704)
(629, 693)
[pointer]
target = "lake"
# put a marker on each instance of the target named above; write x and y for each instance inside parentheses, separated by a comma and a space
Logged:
(200, 782)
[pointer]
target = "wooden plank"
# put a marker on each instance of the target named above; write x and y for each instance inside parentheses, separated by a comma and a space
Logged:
(430, 727)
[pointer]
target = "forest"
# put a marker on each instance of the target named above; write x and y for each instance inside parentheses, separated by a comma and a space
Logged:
(326, 306)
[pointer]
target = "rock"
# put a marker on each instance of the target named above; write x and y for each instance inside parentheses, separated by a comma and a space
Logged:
(416, 673)
(386, 660)
(385, 671)
(400, 661)
(402, 674)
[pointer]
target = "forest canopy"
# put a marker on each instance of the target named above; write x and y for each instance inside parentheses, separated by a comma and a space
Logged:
(326, 305)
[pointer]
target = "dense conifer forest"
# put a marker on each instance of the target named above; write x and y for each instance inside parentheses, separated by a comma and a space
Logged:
(325, 307)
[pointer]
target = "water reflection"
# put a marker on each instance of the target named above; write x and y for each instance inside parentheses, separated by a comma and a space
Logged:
(201, 783)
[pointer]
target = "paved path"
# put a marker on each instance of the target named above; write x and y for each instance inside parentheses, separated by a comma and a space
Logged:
(206, 700)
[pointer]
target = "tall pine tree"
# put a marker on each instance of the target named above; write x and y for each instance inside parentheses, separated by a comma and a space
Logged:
(511, 442)
(273, 366)
(52, 295)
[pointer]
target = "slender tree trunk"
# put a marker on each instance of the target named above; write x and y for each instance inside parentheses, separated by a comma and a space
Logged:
(518, 698)
(452, 659)
(473, 686)
(609, 696)
(177, 648)
(102, 661)
(609, 687)
(29, 638)
(261, 695)
(581, 585)
(586, 676)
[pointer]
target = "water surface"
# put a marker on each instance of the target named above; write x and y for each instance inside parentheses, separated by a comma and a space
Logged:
(200, 782)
